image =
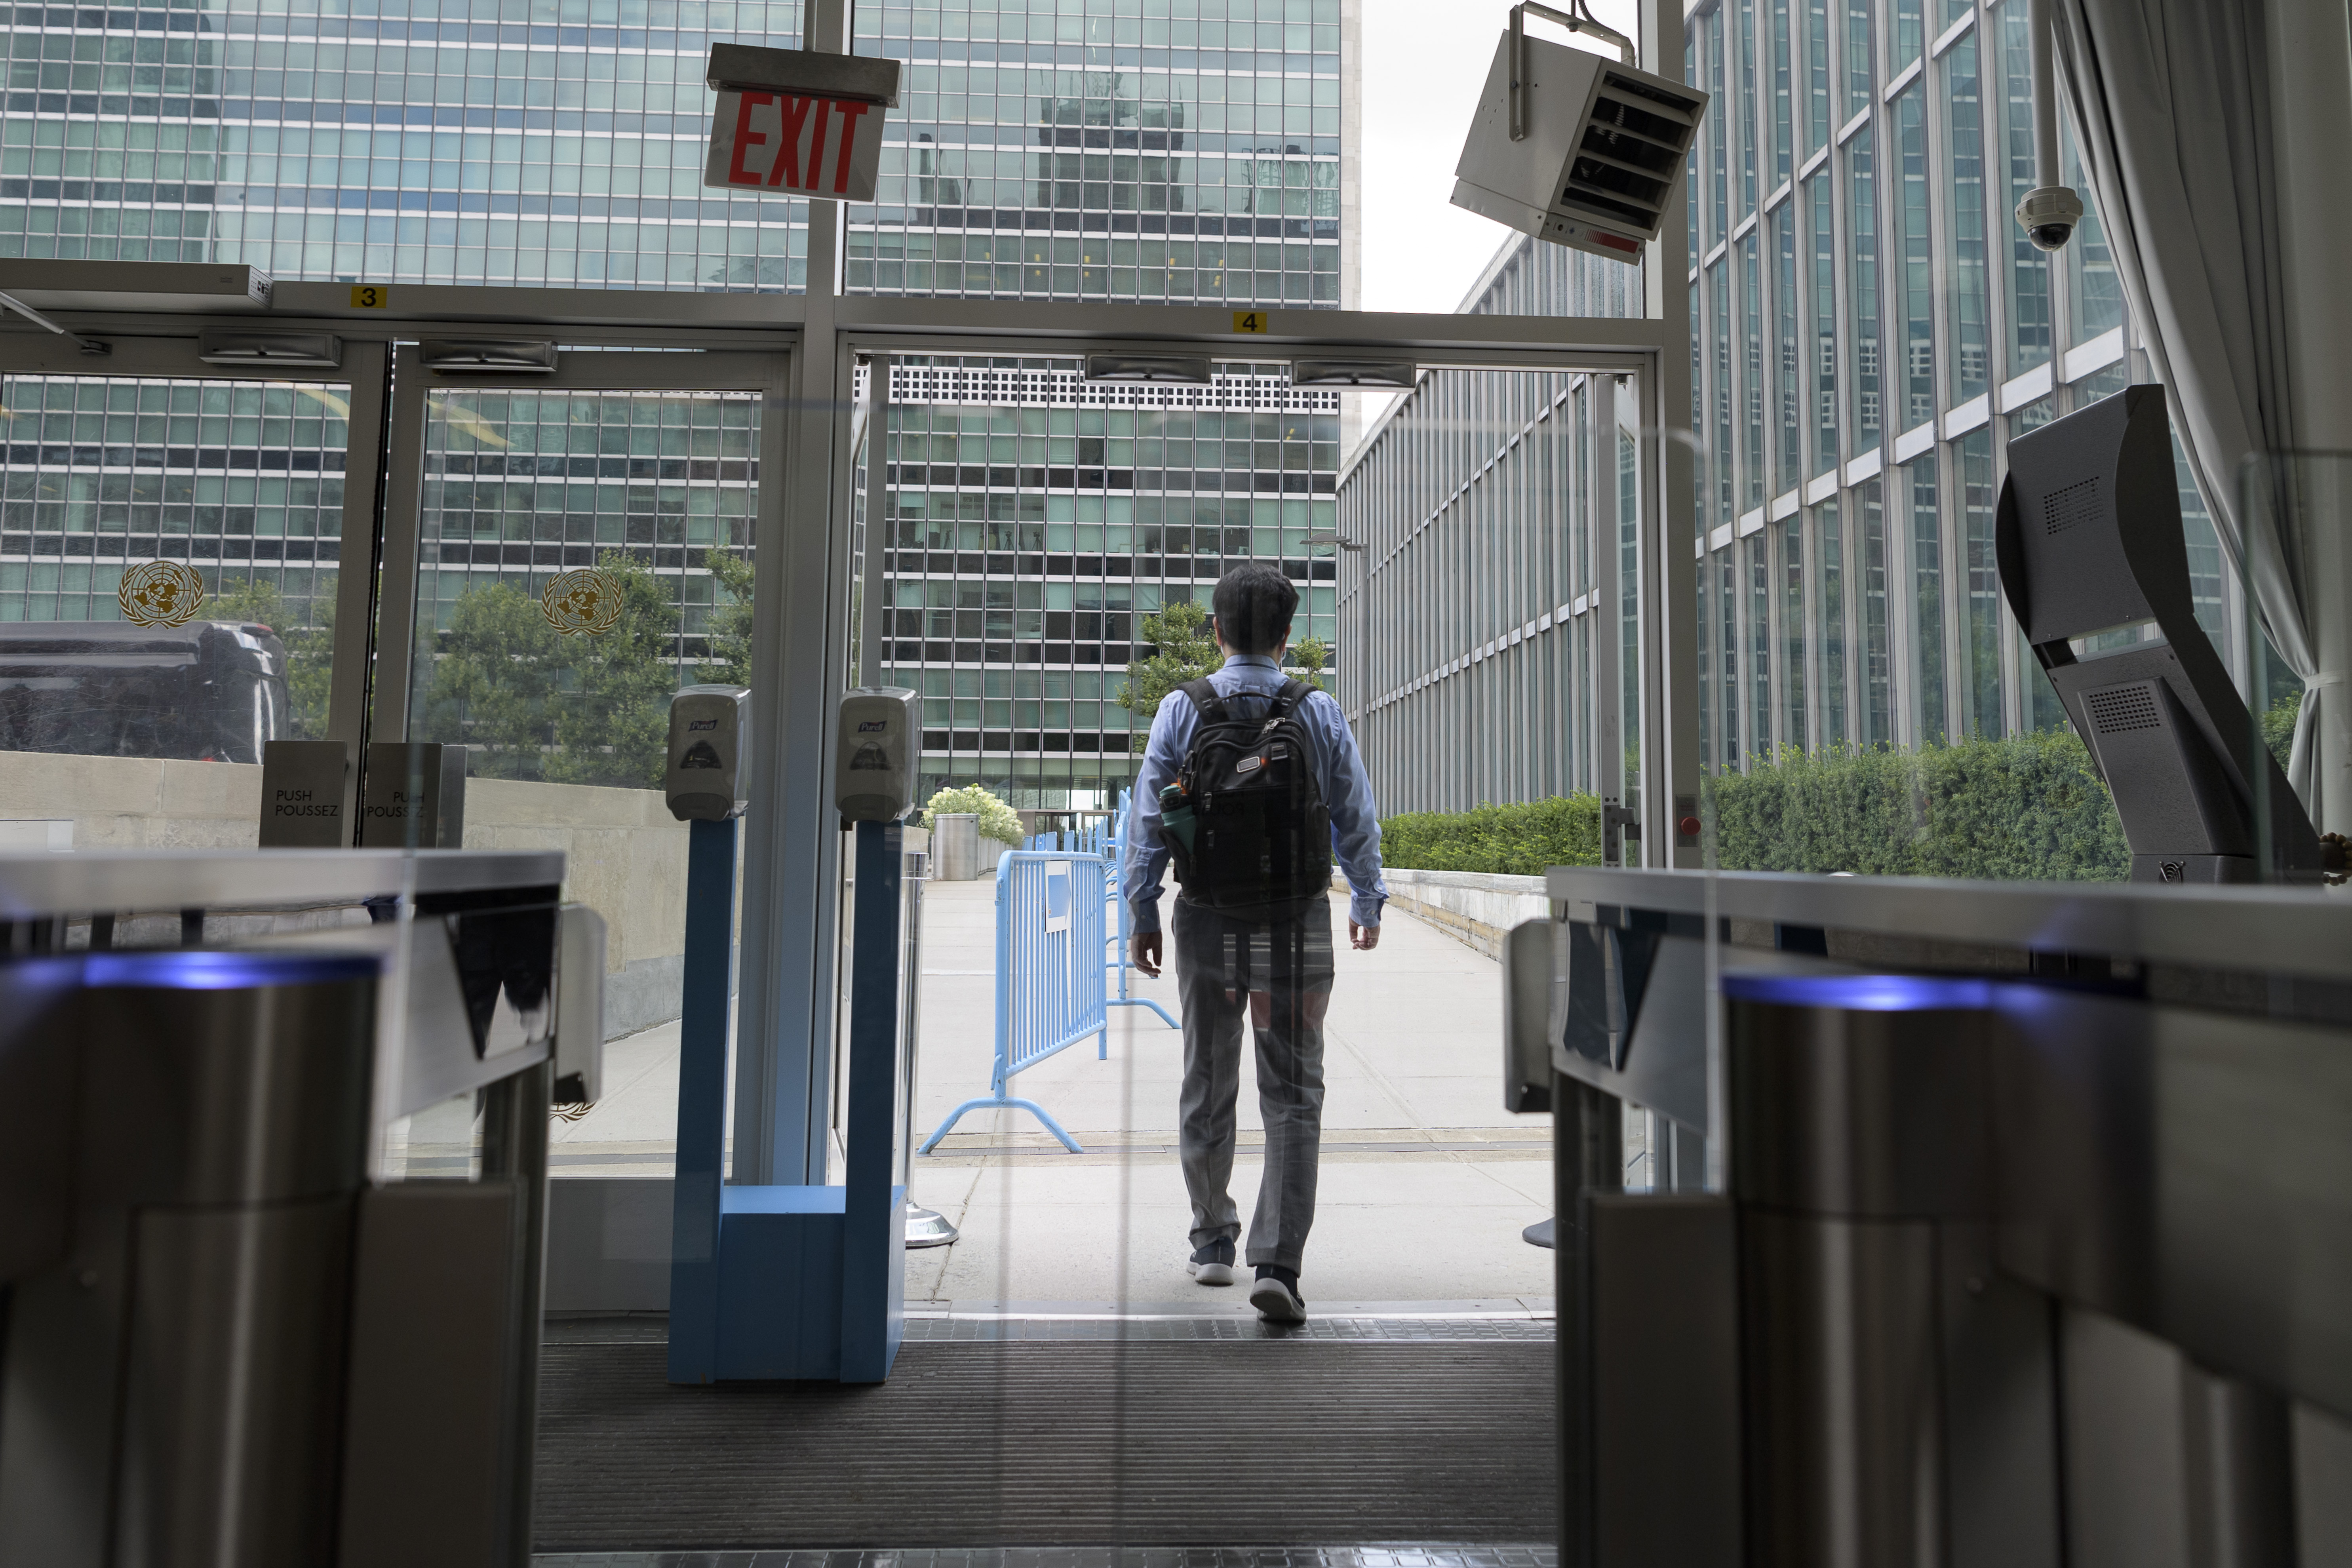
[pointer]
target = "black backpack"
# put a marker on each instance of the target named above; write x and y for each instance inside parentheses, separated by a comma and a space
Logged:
(1246, 823)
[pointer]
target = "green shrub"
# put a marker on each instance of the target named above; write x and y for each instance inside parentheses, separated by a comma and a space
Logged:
(2278, 726)
(997, 819)
(1513, 841)
(2026, 807)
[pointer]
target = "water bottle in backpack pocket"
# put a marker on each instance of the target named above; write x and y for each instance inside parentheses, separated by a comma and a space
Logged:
(1259, 844)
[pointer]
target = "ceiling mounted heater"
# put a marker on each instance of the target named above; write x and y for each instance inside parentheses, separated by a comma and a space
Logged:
(473, 356)
(1394, 376)
(316, 350)
(1149, 370)
(1573, 147)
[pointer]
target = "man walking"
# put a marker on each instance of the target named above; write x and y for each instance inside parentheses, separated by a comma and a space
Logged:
(1251, 781)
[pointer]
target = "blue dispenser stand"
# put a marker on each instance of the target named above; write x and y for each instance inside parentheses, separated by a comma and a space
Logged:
(701, 1100)
(777, 1282)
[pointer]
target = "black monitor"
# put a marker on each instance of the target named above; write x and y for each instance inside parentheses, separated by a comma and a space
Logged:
(2097, 571)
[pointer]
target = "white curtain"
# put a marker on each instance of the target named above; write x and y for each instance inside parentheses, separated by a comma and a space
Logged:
(2170, 99)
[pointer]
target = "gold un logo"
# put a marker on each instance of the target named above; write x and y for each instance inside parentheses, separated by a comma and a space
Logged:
(583, 600)
(160, 593)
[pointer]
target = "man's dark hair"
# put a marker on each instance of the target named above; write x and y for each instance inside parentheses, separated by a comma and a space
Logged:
(1253, 606)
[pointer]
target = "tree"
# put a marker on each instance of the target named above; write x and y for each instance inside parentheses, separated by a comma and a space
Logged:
(498, 671)
(534, 703)
(613, 726)
(1308, 658)
(1183, 651)
(730, 619)
(309, 648)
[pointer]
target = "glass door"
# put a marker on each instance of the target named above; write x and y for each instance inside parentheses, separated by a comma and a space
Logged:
(586, 543)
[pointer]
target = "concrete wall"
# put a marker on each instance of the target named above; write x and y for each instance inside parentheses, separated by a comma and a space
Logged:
(625, 855)
(1475, 908)
(135, 802)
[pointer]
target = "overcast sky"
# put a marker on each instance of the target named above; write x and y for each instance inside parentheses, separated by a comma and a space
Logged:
(1423, 65)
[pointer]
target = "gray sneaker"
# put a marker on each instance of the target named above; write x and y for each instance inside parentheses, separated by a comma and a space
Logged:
(1213, 1264)
(1278, 1302)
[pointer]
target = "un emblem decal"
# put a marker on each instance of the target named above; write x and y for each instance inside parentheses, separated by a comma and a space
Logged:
(160, 593)
(583, 600)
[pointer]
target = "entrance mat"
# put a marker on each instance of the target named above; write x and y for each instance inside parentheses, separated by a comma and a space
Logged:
(1401, 1556)
(1011, 1444)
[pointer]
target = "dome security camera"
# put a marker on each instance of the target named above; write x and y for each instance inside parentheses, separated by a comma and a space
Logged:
(2049, 216)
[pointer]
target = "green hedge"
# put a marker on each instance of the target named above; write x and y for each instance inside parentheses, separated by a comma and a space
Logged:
(2028, 807)
(1516, 840)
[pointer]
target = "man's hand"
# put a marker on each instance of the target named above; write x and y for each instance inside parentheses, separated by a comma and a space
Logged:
(1147, 952)
(1363, 938)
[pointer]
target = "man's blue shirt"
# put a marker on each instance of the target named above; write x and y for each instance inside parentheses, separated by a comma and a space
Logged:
(1339, 771)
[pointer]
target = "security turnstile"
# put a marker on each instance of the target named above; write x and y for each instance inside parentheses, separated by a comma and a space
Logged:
(2008, 1224)
(227, 1334)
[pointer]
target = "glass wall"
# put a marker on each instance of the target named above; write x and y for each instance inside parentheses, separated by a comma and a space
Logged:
(1931, 332)
(1039, 524)
(1490, 603)
(169, 553)
(1192, 151)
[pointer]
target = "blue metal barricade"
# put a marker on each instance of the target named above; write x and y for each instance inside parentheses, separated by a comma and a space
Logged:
(1050, 990)
(1114, 851)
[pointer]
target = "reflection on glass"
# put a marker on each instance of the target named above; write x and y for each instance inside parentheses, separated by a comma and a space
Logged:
(1719, 285)
(1824, 307)
(1915, 285)
(1817, 76)
(1751, 313)
(642, 503)
(1877, 660)
(1779, 105)
(1629, 608)
(1910, 32)
(1861, 59)
(1861, 291)
(168, 561)
(1928, 599)
(1831, 578)
(2027, 277)
(1790, 462)
(1718, 162)
(1727, 603)
(1964, 253)
(1759, 565)
(1793, 661)
(1742, 105)
(1986, 610)
(2095, 294)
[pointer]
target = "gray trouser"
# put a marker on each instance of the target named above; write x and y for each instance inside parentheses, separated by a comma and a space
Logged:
(1219, 963)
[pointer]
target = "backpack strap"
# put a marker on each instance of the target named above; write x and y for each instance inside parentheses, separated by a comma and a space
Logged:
(1288, 700)
(1206, 700)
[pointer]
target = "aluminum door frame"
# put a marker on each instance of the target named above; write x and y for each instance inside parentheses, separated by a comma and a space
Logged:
(365, 373)
(1631, 347)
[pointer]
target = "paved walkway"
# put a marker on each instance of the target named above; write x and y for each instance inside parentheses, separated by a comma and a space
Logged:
(1426, 1179)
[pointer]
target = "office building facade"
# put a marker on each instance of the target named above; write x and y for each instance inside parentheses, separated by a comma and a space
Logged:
(1869, 328)
(1184, 151)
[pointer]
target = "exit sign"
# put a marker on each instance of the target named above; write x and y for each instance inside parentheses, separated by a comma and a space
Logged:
(792, 122)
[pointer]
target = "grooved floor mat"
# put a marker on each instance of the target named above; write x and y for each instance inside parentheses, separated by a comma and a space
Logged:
(1028, 1443)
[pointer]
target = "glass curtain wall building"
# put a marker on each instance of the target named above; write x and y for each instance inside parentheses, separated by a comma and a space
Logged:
(1143, 150)
(1036, 519)
(1491, 594)
(1871, 327)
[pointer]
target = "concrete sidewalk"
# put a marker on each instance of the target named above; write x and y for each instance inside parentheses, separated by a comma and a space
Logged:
(1426, 1181)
